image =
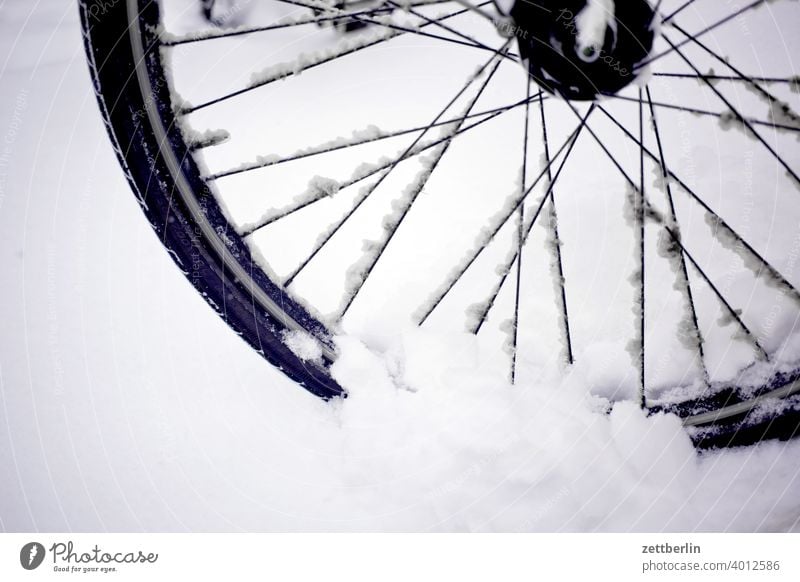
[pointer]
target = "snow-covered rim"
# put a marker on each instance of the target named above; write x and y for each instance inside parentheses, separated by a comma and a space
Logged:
(742, 407)
(261, 297)
(187, 193)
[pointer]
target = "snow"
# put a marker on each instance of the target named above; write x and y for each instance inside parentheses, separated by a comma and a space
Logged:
(206, 138)
(126, 404)
(592, 22)
(304, 346)
(488, 440)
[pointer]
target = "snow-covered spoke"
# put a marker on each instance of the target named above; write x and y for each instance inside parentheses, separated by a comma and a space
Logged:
(480, 314)
(704, 31)
(325, 237)
(727, 234)
(479, 311)
(637, 199)
(300, 64)
(725, 117)
(368, 135)
(557, 270)
(695, 336)
(168, 39)
(320, 188)
(638, 210)
(793, 81)
(496, 223)
(780, 113)
(732, 315)
(735, 111)
(331, 15)
(514, 331)
(446, 27)
(345, 47)
(360, 271)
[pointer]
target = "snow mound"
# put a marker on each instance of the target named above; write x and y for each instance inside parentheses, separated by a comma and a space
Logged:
(433, 427)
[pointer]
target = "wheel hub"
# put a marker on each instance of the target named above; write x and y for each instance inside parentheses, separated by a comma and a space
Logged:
(580, 49)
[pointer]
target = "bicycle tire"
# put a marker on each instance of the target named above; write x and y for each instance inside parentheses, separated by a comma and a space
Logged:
(159, 169)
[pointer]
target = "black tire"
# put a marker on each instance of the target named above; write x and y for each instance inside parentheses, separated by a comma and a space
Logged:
(136, 108)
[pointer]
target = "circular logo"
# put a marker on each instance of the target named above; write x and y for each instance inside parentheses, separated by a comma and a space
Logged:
(31, 555)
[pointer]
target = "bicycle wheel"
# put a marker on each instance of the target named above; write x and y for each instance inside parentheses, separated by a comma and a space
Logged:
(612, 189)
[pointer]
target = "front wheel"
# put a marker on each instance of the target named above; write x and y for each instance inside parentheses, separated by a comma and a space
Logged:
(466, 167)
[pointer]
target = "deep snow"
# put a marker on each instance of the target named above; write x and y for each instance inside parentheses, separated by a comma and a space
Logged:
(127, 405)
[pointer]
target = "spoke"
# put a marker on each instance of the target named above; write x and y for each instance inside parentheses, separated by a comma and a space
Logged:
(286, 70)
(765, 268)
(450, 29)
(706, 30)
(315, 195)
(520, 235)
(497, 224)
(168, 39)
(332, 14)
(358, 273)
(323, 240)
(740, 77)
(639, 201)
(371, 136)
(524, 230)
(677, 11)
(556, 242)
(722, 116)
(753, 83)
(736, 113)
(685, 284)
(733, 314)
(318, 193)
(398, 27)
(482, 309)
(514, 258)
